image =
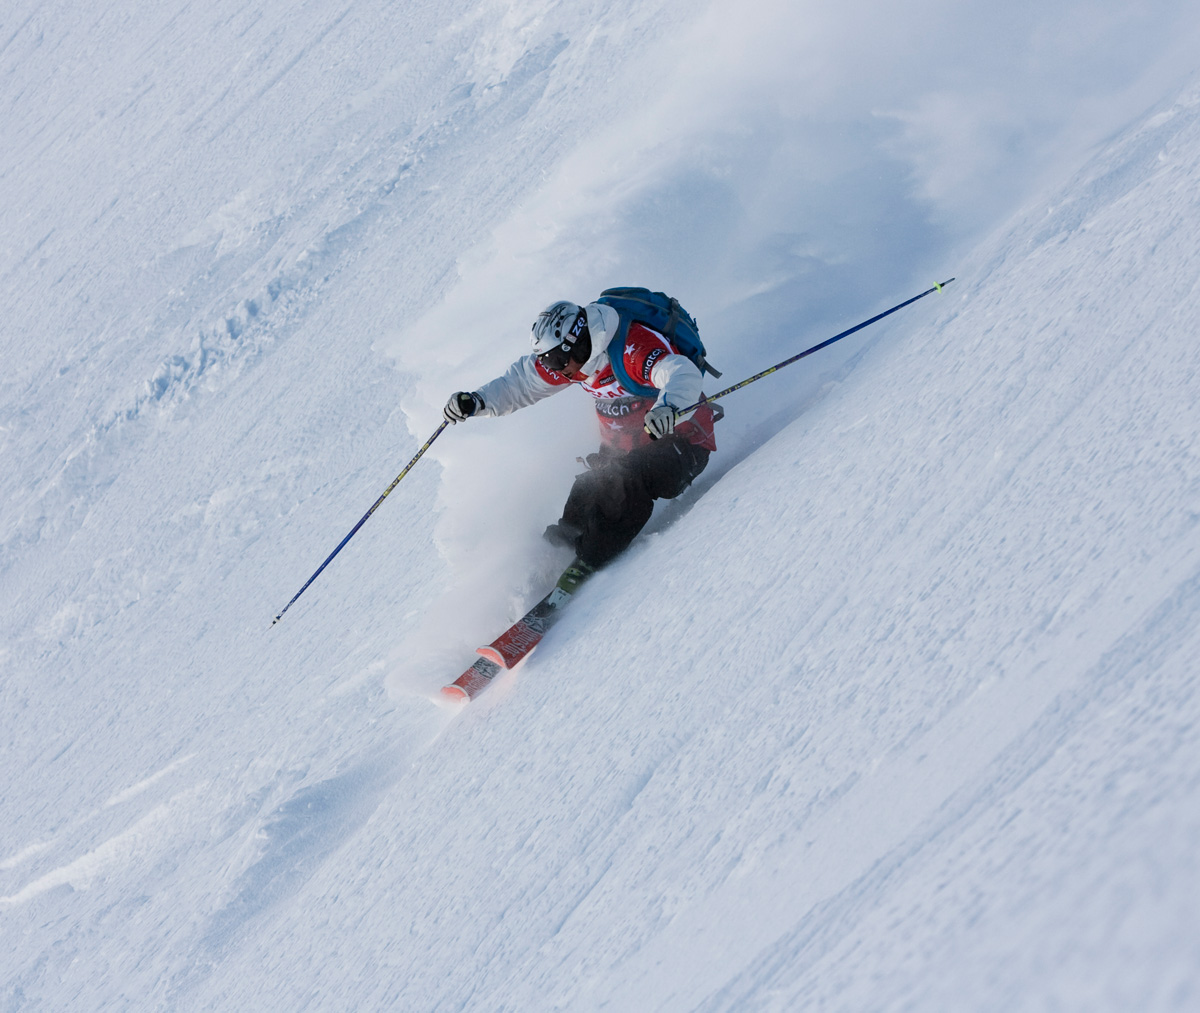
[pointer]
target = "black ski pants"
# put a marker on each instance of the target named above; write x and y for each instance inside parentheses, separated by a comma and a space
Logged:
(611, 503)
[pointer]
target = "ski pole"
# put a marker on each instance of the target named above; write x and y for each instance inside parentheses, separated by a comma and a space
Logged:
(353, 531)
(937, 287)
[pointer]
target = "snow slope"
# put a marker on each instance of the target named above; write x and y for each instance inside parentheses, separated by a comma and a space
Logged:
(896, 710)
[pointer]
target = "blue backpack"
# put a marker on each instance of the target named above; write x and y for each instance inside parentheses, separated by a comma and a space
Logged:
(661, 313)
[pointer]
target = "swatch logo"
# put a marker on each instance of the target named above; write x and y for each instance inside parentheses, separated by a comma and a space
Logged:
(651, 359)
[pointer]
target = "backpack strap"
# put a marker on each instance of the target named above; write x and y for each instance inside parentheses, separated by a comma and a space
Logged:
(677, 313)
(616, 359)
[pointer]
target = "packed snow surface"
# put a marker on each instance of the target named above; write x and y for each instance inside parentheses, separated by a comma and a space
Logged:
(895, 709)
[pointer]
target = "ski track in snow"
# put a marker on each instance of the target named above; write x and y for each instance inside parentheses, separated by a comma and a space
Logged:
(127, 847)
(895, 710)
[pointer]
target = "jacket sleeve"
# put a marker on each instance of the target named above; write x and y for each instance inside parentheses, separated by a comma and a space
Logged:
(526, 382)
(678, 380)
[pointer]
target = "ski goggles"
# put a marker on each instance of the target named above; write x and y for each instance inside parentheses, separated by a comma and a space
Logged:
(557, 358)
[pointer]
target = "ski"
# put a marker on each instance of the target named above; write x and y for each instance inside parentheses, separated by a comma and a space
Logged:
(511, 647)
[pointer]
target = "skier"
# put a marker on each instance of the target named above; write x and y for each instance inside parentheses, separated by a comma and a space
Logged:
(649, 450)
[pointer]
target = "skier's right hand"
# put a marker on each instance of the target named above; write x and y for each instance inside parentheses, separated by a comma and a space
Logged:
(461, 406)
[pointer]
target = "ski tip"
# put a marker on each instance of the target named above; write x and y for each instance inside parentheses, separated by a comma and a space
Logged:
(454, 696)
(492, 655)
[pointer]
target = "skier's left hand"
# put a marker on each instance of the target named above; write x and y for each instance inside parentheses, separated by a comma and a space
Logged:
(660, 421)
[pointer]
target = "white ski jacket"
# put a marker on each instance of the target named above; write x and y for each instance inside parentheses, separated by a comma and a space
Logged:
(648, 357)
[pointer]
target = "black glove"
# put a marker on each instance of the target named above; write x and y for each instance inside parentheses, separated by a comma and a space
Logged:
(462, 406)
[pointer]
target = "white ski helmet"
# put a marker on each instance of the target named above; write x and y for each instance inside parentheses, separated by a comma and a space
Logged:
(556, 325)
